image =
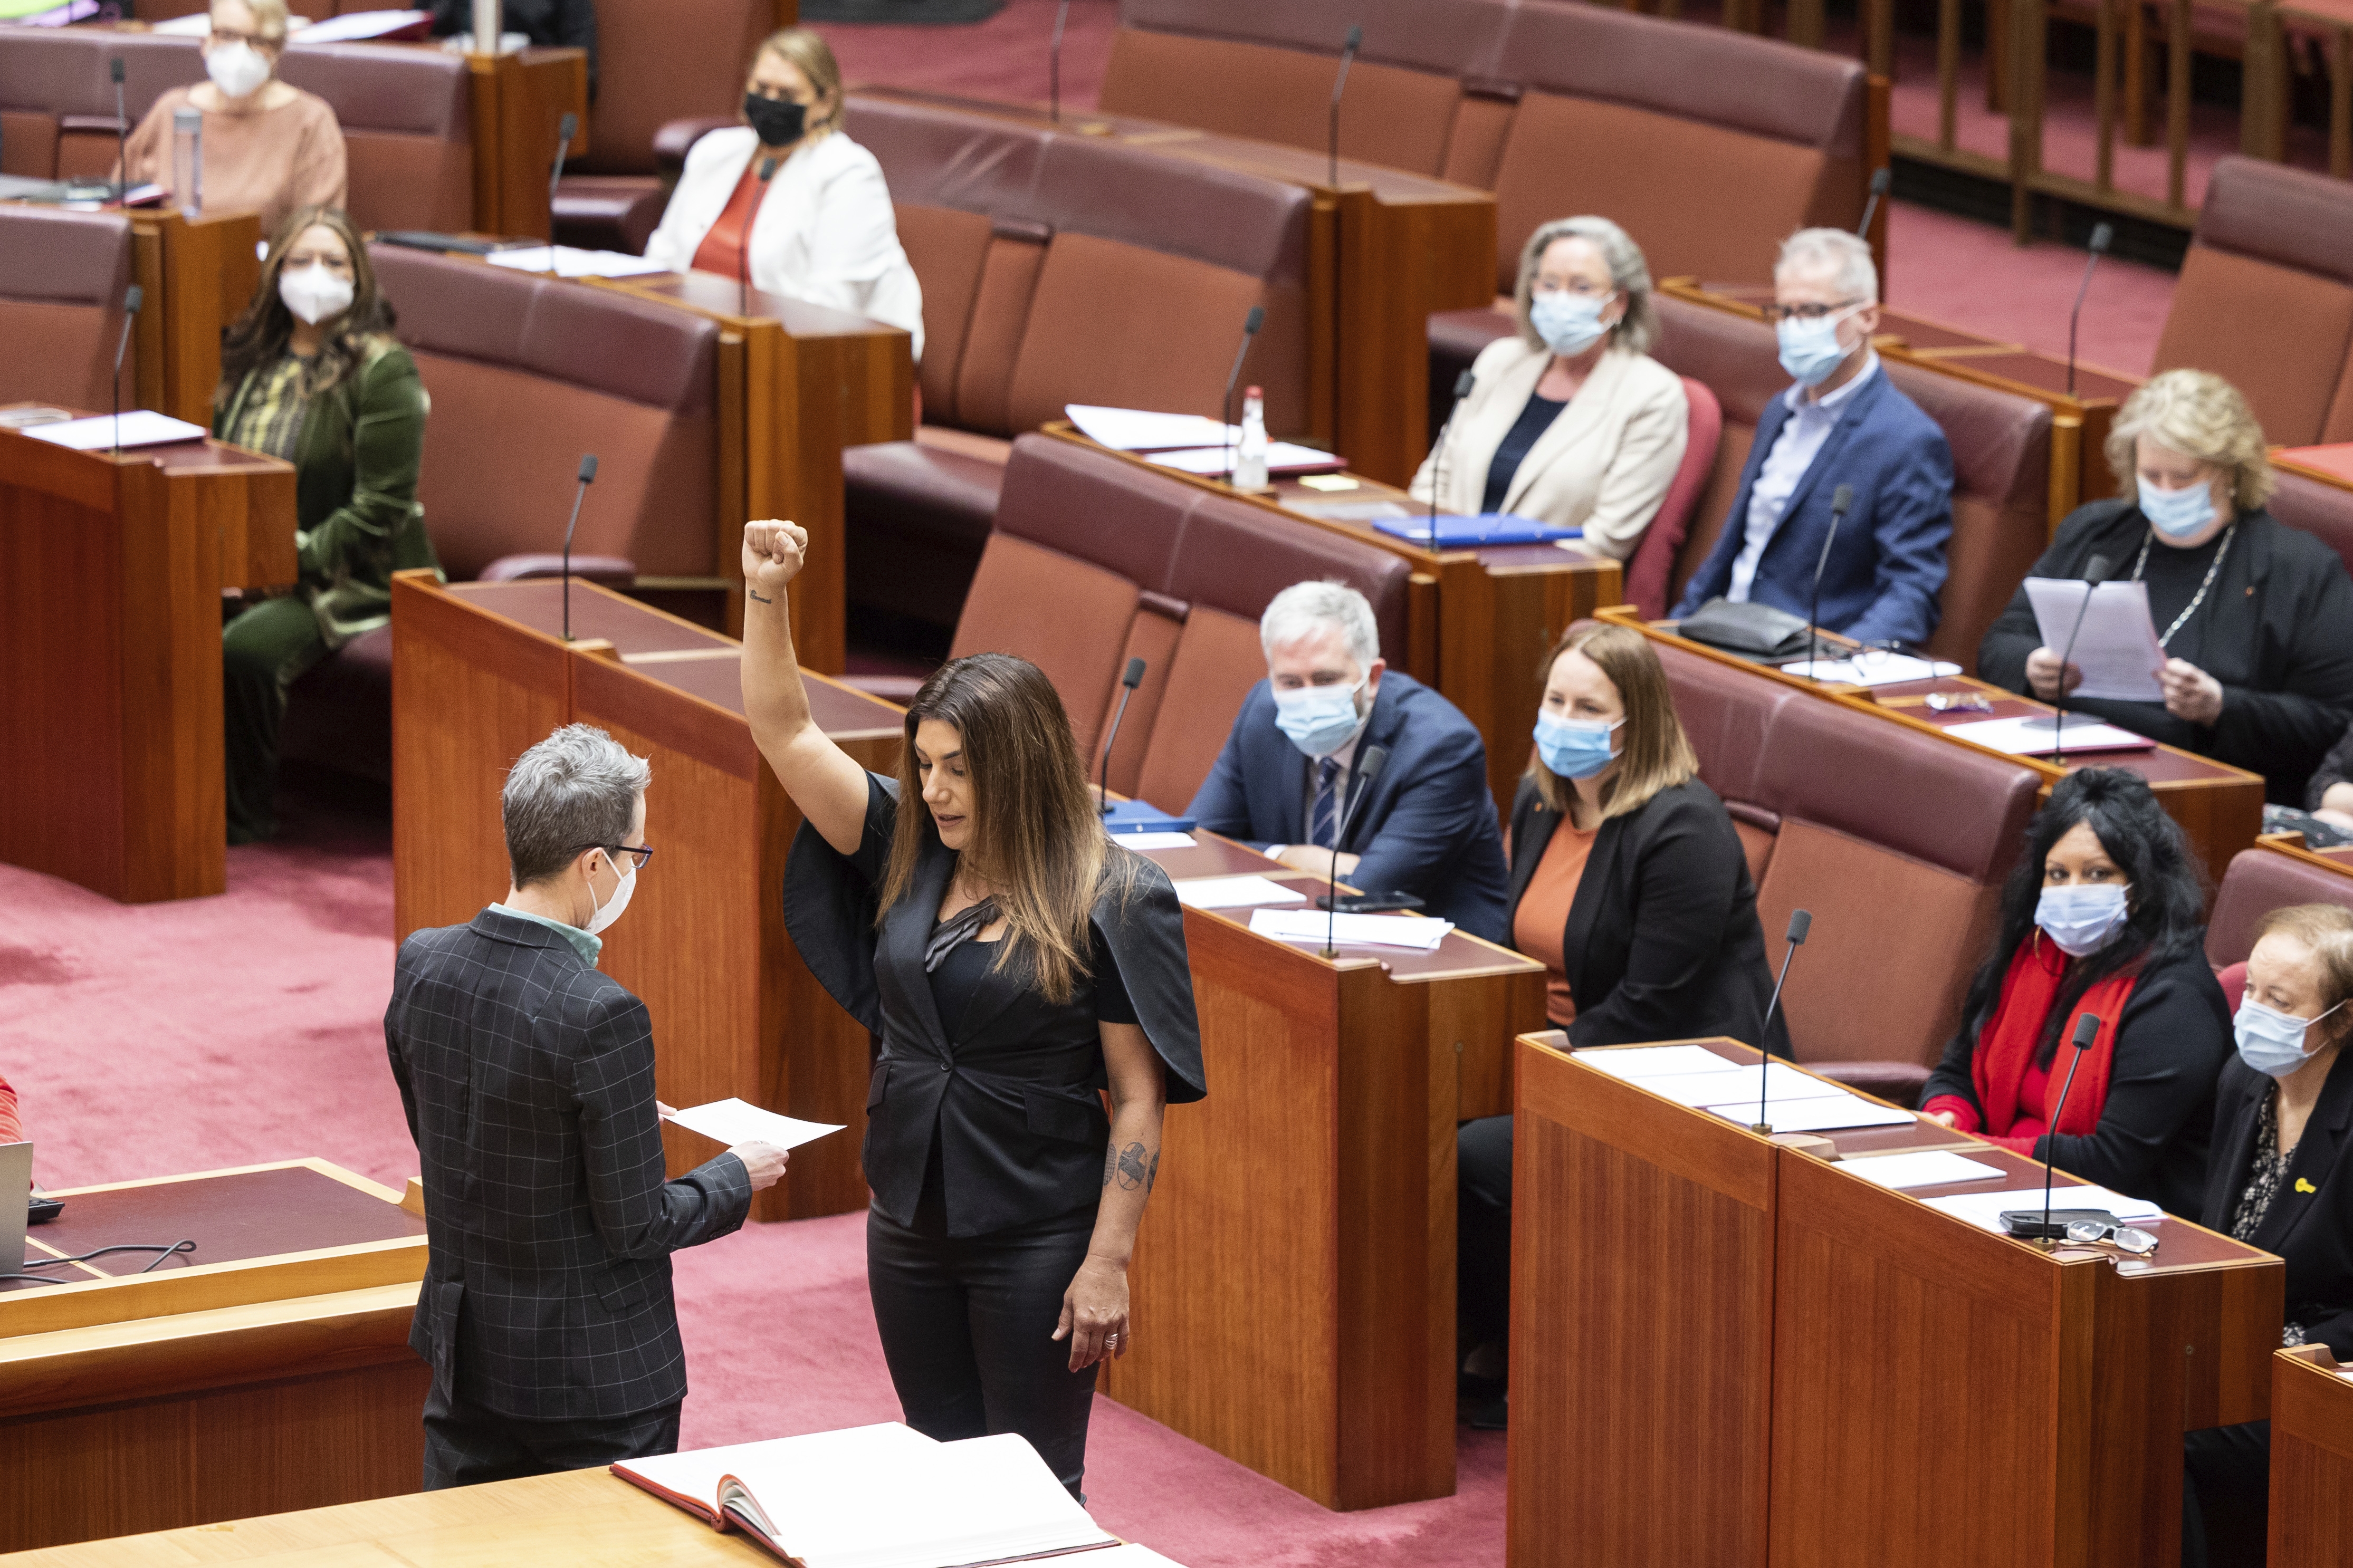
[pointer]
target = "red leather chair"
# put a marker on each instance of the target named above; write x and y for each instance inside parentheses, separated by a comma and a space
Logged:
(62, 280)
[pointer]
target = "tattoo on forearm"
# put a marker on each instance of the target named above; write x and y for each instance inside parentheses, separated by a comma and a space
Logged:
(763, 598)
(1154, 1173)
(1130, 1168)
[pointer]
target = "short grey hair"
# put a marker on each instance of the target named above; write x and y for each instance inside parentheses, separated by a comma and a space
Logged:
(1845, 256)
(577, 790)
(1304, 608)
(1629, 273)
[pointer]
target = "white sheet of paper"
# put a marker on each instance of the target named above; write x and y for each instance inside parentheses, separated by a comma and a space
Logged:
(1816, 1113)
(1984, 1209)
(1141, 430)
(1347, 511)
(2025, 737)
(1376, 930)
(1927, 1168)
(2116, 649)
(1141, 841)
(565, 261)
(1281, 456)
(141, 427)
(1878, 670)
(737, 1122)
(1727, 1084)
(1235, 892)
(1652, 1061)
(357, 26)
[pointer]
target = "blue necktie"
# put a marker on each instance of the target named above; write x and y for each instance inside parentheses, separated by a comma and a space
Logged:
(1324, 821)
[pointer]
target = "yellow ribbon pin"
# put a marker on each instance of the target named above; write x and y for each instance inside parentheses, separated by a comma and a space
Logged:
(2304, 1186)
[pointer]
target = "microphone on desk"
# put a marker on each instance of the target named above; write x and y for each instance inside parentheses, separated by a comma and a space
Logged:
(565, 129)
(1340, 85)
(1360, 784)
(2088, 1029)
(1251, 324)
(1127, 685)
(1054, 63)
(2103, 235)
(121, 133)
(1879, 181)
(1800, 922)
(2096, 572)
(1462, 386)
(133, 297)
(587, 475)
(743, 251)
(1841, 499)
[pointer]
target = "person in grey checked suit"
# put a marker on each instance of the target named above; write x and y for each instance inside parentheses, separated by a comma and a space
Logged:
(527, 1080)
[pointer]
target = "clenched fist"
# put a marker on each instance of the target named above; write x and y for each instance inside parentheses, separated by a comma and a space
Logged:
(773, 553)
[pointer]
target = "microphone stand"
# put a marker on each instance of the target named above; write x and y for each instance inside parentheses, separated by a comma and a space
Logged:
(133, 297)
(1879, 181)
(1340, 85)
(2088, 1029)
(1128, 682)
(121, 135)
(1251, 324)
(2096, 572)
(1360, 786)
(1800, 922)
(2103, 235)
(1841, 500)
(1054, 63)
(587, 475)
(1462, 386)
(565, 129)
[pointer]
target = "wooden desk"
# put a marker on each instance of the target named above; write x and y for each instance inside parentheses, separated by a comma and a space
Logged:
(2218, 807)
(198, 275)
(2340, 859)
(110, 577)
(1479, 621)
(580, 1519)
(269, 1369)
(1860, 1379)
(1387, 248)
(516, 109)
(2312, 1460)
(481, 673)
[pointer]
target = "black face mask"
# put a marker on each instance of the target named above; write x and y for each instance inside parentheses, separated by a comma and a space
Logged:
(778, 121)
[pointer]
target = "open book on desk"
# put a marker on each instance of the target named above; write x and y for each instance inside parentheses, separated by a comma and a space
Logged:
(878, 1497)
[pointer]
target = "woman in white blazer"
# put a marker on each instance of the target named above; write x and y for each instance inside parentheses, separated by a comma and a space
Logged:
(1570, 422)
(820, 221)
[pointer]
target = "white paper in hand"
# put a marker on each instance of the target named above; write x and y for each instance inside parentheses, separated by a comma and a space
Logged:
(737, 1122)
(2116, 649)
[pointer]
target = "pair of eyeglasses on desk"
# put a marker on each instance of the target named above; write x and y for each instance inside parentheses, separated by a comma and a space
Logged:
(2123, 1237)
(1959, 702)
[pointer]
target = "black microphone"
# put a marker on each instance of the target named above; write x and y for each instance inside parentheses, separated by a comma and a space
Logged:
(1879, 179)
(2096, 572)
(1251, 324)
(1800, 922)
(133, 297)
(744, 252)
(1054, 62)
(587, 475)
(1842, 499)
(2088, 1029)
(1127, 683)
(2103, 235)
(1360, 786)
(1462, 386)
(1339, 86)
(568, 128)
(121, 133)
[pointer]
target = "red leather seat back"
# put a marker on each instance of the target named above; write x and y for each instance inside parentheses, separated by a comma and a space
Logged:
(2320, 509)
(527, 374)
(62, 278)
(659, 61)
(1735, 358)
(1653, 562)
(2256, 882)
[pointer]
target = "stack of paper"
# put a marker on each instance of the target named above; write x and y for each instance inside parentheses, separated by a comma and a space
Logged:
(565, 261)
(2035, 737)
(1234, 892)
(140, 428)
(1794, 1101)
(1143, 841)
(1282, 458)
(1141, 430)
(1925, 1168)
(1985, 1209)
(1379, 931)
(1817, 1113)
(1652, 1061)
(1872, 670)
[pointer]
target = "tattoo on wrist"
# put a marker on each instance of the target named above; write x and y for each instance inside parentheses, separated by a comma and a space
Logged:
(753, 594)
(1132, 1170)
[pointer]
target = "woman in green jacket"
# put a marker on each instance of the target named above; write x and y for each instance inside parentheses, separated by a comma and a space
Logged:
(311, 373)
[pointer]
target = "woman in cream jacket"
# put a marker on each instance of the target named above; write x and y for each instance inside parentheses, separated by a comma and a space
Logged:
(820, 224)
(1570, 422)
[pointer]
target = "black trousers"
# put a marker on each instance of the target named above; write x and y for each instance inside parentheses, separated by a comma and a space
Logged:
(466, 1444)
(2226, 1496)
(967, 1328)
(1482, 1229)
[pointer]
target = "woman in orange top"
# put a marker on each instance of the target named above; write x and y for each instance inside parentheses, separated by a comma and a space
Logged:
(1630, 883)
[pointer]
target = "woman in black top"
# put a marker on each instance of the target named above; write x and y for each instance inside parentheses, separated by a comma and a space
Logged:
(1013, 963)
(2256, 618)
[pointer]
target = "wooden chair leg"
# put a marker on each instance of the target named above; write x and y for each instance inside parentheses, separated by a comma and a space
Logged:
(2137, 55)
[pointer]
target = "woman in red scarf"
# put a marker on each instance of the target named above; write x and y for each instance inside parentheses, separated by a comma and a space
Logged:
(2102, 915)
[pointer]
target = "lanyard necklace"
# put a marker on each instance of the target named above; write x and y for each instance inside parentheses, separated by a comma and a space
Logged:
(2199, 597)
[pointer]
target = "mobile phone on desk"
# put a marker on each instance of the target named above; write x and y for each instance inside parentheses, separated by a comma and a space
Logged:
(41, 1208)
(1370, 903)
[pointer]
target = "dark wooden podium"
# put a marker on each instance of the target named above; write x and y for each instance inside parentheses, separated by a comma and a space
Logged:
(1726, 1350)
(110, 577)
(2312, 1460)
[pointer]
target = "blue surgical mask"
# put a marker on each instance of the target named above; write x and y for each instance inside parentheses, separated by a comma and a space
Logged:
(2081, 919)
(1809, 350)
(1318, 720)
(2177, 514)
(2270, 1041)
(1568, 323)
(1574, 748)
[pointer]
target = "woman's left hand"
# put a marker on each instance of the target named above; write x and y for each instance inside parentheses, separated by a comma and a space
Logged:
(1095, 1312)
(2190, 693)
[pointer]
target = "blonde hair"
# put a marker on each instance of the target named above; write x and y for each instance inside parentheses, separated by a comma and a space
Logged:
(2199, 414)
(1633, 331)
(812, 56)
(2328, 931)
(1658, 754)
(269, 17)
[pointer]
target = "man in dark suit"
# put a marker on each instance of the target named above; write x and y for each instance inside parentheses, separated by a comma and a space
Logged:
(528, 1079)
(1843, 423)
(1287, 779)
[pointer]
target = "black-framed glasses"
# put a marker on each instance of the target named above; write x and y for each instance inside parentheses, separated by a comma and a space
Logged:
(1777, 314)
(641, 853)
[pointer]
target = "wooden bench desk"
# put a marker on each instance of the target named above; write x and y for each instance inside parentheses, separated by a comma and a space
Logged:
(2312, 1460)
(2339, 860)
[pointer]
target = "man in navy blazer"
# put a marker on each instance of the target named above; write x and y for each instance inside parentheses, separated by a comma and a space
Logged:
(1287, 780)
(1843, 423)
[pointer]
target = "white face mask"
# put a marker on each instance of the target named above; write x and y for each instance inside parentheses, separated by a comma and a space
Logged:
(610, 910)
(314, 294)
(237, 69)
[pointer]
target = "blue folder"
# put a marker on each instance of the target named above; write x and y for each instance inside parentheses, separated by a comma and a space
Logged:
(1140, 816)
(1487, 528)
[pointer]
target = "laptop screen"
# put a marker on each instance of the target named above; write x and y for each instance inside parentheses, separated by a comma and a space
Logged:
(15, 1176)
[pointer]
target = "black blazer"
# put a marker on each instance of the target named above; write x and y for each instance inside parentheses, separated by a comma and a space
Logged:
(1014, 1092)
(528, 1079)
(1662, 941)
(2312, 1230)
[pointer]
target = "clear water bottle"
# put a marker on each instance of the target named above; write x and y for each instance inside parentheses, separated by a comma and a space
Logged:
(1249, 461)
(188, 160)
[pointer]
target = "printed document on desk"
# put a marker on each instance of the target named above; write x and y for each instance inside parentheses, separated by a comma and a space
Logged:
(2116, 648)
(1379, 931)
(1141, 430)
(140, 428)
(1234, 892)
(1985, 1209)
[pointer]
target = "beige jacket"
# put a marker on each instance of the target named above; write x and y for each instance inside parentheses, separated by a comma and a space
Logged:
(1603, 465)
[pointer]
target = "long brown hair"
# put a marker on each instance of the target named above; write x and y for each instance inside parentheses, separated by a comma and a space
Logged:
(1658, 754)
(260, 336)
(1036, 838)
